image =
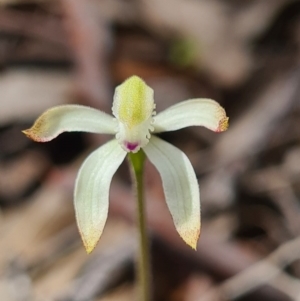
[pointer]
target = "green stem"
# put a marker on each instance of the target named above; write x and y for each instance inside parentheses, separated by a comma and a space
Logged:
(137, 163)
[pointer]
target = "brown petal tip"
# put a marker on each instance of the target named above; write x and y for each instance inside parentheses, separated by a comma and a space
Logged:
(223, 125)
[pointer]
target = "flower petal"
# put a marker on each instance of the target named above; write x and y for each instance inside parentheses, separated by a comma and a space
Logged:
(70, 118)
(180, 187)
(133, 102)
(92, 189)
(200, 112)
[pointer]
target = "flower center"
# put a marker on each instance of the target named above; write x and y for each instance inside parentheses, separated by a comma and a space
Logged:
(131, 146)
(133, 108)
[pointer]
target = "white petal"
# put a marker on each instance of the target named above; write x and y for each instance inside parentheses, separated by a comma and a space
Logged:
(180, 187)
(92, 189)
(200, 112)
(70, 118)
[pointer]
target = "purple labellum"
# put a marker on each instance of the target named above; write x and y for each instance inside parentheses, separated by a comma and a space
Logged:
(131, 146)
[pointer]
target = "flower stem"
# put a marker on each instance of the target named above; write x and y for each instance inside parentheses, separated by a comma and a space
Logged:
(143, 271)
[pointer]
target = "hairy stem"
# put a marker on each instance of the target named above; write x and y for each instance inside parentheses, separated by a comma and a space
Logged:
(143, 270)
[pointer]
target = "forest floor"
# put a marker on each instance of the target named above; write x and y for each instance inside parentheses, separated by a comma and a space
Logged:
(243, 54)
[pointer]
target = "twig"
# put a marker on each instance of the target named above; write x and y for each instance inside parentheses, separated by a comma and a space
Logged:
(265, 271)
(44, 27)
(88, 37)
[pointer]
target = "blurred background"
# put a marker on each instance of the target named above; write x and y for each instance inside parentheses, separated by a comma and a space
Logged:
(244, 54)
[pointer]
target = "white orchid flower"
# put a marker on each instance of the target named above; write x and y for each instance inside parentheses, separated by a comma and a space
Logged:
(134, 123)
